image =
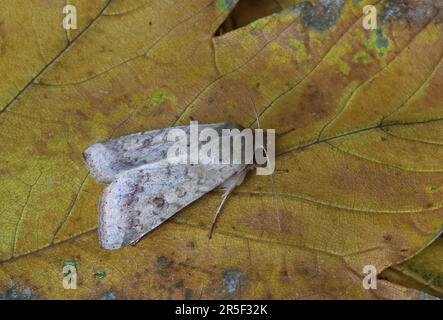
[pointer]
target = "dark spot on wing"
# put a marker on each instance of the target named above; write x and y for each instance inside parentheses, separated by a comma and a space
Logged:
(180, 192)
(139, 189)
(131, 200)
(159, 202)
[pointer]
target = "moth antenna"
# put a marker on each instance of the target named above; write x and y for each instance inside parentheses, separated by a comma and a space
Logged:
(241, 174)
(255, 110)
(277, 210)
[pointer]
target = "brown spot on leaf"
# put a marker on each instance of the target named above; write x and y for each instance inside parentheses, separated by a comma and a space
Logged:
(387, 237)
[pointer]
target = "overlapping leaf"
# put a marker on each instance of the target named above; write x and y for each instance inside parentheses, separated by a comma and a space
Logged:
(424, 271)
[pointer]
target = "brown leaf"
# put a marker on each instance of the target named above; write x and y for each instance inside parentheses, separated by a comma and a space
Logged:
(358, 118)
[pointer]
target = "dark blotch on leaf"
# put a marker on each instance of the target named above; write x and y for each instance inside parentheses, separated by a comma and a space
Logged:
(188, 294)
(162, 262)
(233, 280)
(322, 15)
(107, 296)
(190, 244)
(387, 237)
(414, 12)
(14, 294)
(393, 10)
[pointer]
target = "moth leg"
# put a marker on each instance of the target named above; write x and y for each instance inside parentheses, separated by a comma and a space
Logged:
(228, 186)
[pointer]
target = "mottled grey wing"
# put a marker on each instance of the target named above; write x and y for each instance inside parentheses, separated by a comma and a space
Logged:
(106, 159)
(142, 198)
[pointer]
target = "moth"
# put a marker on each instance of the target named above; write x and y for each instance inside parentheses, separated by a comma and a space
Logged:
(146, 188)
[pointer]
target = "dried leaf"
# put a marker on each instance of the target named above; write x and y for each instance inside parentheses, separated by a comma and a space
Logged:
(358, 118)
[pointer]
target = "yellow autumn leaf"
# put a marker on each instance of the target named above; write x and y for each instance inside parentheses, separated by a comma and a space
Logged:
(359, 140)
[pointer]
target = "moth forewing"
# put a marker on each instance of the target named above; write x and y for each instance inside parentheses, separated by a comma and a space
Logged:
(106, 159)
(146, 188)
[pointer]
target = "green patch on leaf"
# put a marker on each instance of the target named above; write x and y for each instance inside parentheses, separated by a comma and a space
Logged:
(338, 58)
(379, 42)
(100, 274)
(225, 5)
(362, 57)
(70, 262)
(159, 98)
(301, 55)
